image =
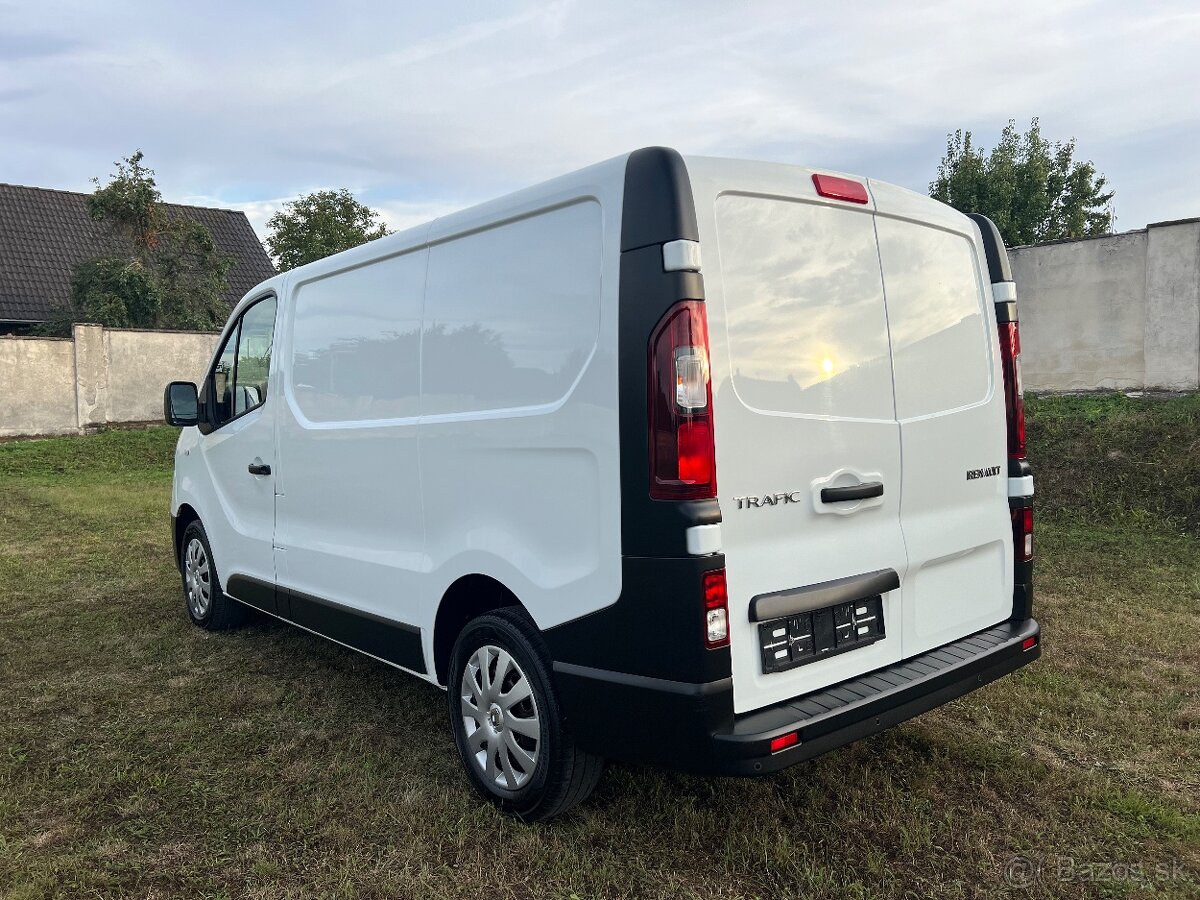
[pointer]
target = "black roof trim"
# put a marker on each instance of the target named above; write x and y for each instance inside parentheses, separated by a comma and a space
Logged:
(658, 199)
(993, 248)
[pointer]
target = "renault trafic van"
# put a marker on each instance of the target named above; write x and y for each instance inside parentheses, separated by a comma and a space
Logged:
(709, 464)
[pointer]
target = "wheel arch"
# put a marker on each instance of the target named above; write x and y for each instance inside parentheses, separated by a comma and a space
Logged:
(183, 518)
(468, 597)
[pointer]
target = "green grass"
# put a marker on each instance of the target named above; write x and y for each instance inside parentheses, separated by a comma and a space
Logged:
(1110, 456)
(142, 757)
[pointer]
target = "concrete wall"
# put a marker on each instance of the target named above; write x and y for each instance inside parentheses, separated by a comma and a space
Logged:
(96, 377)
(1116, 312)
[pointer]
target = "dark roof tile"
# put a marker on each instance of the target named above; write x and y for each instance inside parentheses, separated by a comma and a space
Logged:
(45, 233)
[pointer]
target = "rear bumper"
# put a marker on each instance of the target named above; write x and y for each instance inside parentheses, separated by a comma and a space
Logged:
(691, 726)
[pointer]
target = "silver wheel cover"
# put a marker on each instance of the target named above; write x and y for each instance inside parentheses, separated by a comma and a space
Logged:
(500, 719)
(197, 578)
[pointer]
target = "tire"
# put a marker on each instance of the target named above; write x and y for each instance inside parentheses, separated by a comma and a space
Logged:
(498, 729)
(205, 602)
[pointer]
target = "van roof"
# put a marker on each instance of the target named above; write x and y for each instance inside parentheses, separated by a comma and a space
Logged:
(752, 175)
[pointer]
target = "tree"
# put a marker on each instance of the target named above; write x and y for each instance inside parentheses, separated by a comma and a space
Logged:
(163, 270)
(319, 224)
(1033, 190)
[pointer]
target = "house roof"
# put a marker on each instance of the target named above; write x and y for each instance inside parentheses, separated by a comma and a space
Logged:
(45, 233)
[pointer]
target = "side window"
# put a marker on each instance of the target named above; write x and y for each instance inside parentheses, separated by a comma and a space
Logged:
(254, 357)
(222, 379)
(239, 379)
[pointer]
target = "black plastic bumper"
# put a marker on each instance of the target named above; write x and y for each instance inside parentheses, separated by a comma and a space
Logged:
(692, 727)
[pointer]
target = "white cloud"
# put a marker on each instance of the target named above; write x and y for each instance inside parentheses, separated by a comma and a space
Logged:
(422, 109)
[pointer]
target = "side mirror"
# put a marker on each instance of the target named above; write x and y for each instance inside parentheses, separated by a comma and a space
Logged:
(181, 405)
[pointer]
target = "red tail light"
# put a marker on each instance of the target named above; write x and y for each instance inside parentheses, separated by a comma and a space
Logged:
(1022, 525)
(1014, 398)
(716, 610)
(682, 457)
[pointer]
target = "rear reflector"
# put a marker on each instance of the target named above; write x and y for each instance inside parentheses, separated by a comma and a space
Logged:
(785, 741)
(1029, 643)
(716, 610)
(840, 188)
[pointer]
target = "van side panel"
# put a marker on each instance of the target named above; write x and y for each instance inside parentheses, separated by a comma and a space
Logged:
(350, 527)
(519, 464)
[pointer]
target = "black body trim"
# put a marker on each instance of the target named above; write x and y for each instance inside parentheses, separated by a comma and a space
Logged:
(253, 592)
(691, 730)
(657, 208)
(394, 642)
(658, 204)
(685, 688)
(999, 271)
(778, 604)
(654, 630)
(1006, 312)
(993, 248)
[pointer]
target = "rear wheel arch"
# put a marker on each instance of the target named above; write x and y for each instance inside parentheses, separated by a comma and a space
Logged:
(467, 598)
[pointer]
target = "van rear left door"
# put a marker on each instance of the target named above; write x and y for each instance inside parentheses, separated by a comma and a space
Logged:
(802, 399)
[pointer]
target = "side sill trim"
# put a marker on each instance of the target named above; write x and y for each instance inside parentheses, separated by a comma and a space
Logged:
(386, 662)
(663, 685)
(389, 640)
(817, 596)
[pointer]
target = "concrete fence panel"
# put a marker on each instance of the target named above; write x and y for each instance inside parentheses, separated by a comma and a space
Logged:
(140, 363)
(37, 386)
(96, 377)
(1115, 312)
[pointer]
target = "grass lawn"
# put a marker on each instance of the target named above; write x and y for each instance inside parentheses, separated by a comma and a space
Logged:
(140, 756)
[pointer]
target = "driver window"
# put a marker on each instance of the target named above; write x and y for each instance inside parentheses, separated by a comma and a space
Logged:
(239, 379)
(222, 380)
(254, 357)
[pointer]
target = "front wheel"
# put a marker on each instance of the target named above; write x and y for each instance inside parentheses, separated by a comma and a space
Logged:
(206, 603)
(507, 723)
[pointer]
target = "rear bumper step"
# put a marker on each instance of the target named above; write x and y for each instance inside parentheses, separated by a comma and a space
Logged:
(861, 706)
(647, 720)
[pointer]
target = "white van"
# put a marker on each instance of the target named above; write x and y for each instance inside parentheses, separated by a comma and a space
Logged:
(710, 464)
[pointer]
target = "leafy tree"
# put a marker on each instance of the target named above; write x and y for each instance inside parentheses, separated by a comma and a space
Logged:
(1033, 190)
(319, 224)
(163, 270)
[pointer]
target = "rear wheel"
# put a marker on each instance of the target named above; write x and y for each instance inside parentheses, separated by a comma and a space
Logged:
(507, 723)
(206, 603)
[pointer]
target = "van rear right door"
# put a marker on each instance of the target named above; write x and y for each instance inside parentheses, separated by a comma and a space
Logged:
(950, 406)
(803, 401)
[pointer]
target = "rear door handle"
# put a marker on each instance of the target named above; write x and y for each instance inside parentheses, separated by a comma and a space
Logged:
(864, 491)
(258, 467)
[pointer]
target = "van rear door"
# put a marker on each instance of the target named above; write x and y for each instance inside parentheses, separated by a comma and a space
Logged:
(805, 422)
(950, 406)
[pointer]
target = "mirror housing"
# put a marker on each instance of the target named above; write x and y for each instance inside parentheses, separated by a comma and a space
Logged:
(181, 404)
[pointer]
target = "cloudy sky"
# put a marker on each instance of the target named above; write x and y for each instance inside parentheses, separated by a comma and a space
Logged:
(424, 108)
